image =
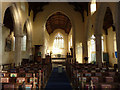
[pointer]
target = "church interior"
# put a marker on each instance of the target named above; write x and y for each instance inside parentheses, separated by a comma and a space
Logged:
(60, 45)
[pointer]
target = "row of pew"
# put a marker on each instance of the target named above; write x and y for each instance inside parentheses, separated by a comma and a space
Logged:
(29, 75)
(89, 76)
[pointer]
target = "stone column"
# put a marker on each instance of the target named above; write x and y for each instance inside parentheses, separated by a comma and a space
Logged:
(1, 43)
(18, 50)
(98, 50)
(74, 45)
(117, 23)
(1, 40)
(29, 47)
(85, 49)
(1, 36)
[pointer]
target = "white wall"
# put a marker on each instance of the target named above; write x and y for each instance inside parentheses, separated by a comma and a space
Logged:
(46, 43)
(110, 47)
(69, 41)
(7, 57)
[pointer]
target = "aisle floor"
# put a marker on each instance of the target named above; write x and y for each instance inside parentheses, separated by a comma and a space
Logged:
(58, 81)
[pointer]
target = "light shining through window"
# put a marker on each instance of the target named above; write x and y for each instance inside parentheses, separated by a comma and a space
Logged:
(115, 44)
(93, 6)
(58, 44)
(23, 43)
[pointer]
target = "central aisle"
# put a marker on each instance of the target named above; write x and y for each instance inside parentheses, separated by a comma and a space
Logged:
(58, 81)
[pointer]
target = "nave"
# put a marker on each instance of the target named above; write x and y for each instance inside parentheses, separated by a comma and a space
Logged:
(83, 38)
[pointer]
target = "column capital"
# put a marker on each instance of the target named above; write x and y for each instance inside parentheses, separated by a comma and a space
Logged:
(29, 40)
(18, 35)
(85, 41)
(98, 35)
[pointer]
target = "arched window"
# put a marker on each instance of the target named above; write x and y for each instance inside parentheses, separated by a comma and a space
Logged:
(93, 6)
(23, 43)
(58, 41)
(71, 41)
(58, 44)
(13, 43)
(102, 38)
(79, 52)
(91, 49)
(24, 38)
(115, 45)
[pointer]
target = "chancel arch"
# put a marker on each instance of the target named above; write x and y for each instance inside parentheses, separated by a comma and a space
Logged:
(58, 25)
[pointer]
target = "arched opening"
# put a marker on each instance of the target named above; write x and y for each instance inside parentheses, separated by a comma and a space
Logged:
(109, 39)
(9, 29)
(58, 27)
(91, 50)
(8, 36)
(24, 38)
(58, 21)
(11, 35)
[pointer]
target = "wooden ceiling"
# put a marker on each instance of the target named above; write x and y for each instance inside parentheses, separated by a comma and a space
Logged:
(58, 21)
(36, 7)
(80, 7)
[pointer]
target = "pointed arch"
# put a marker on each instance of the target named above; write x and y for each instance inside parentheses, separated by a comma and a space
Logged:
(58, 20)
(13, 9)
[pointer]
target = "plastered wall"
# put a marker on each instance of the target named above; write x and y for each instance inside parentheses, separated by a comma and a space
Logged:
(7, 57)
(110, 47)
(70, 43)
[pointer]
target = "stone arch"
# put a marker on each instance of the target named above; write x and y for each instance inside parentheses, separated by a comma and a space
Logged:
(48, 14)
(68, 11)
(100, 16)
(58, 16)
(17, 31)
(99, 21)
(17, 24)
(4, 10)
(28, 26)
